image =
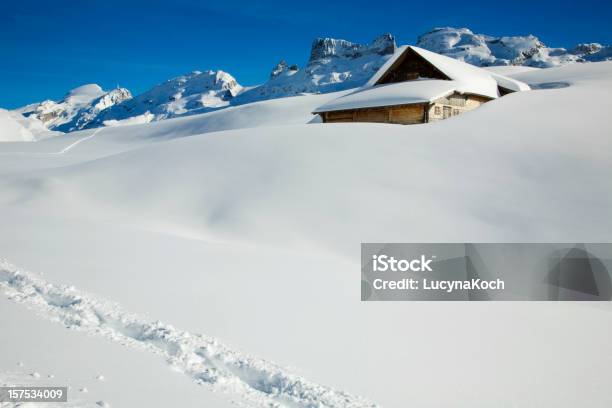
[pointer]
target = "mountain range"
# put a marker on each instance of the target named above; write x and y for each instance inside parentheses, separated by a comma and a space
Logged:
(333, 65)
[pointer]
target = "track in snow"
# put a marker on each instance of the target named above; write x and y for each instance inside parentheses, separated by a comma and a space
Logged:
(254, 381)
(63, 151)
(72, 145)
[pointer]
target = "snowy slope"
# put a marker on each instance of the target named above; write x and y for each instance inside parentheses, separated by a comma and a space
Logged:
(96, 375)
(485, 50)
(14, 127)
(251, 235)
(77, 109)
(11, 128)
(204, 359)
(76, 147)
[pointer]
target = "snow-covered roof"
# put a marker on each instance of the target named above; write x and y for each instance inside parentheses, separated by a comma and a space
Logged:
(464, 78)
(399, 93)
(509, 83)
(475, 80)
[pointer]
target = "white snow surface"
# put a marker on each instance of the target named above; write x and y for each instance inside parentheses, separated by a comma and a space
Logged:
(509, 83)
(244, 225)
(204, 359)
(14, 127)
(132, 120)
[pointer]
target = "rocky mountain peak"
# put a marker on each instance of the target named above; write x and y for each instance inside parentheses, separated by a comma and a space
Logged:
(111, 98)
(323, 48)
(281, 68)
(486, 50)
(76, 108)
(587, 49)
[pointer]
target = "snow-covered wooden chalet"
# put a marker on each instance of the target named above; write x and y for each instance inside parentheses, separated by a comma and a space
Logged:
(419, 86)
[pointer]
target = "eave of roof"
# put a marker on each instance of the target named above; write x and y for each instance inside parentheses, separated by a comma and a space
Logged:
(510, 83)
(400, 93)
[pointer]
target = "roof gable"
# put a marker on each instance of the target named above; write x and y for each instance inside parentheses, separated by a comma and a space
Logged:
(470, 78)
(408, 66)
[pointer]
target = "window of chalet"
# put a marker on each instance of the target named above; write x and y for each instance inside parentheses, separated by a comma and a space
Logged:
(437, 110)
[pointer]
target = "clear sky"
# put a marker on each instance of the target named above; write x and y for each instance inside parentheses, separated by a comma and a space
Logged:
(49, 47)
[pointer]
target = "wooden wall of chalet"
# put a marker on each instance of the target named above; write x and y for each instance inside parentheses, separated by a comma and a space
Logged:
(403, 114)
(453, 105)
(442, 108)
(407, 114)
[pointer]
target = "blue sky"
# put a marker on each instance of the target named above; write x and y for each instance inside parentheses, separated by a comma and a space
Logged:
(47, 48)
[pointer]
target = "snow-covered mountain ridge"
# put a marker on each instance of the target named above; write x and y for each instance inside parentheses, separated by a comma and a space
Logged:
(77, 109)
(195, 92)
(528, 50)
(333, 65)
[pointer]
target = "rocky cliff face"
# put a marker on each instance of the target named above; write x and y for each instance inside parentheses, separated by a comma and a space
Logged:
(323, 48)
(282, 67)
(333, 65)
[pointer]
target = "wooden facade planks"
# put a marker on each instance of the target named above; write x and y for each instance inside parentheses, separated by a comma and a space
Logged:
(443, 108)
(402, 114)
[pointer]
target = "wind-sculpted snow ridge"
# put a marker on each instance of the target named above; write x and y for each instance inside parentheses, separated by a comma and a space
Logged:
(16, 128)
(254, 381)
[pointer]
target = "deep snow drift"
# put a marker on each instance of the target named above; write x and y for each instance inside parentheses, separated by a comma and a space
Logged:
(244, 224)
(17, 128)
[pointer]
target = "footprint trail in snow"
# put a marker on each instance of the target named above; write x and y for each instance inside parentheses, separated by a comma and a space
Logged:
(207, 361)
